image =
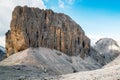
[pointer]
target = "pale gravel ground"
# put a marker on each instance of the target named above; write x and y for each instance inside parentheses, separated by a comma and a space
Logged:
(114, 62)
(39, 63)
(111, 73)
(43, 64)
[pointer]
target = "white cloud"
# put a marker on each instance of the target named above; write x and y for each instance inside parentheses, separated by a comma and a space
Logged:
(61, 3)
(7, 6)
(94, 38)
(2, 41)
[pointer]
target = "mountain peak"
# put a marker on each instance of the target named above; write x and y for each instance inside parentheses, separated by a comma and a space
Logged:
(107, 43)
(33, 27)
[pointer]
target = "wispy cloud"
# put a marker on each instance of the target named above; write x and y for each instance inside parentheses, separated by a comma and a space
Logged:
(61, 3)
(64, 4)
(7, 6)
(2, 41)
(70, 2)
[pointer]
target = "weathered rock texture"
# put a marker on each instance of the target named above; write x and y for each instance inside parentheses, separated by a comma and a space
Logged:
(108, 48)
(32, 27)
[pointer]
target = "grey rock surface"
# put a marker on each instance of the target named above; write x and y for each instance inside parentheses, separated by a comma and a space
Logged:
(109, 73)
(43, 62)
(32, 27)
(108, 48)
(47, 64)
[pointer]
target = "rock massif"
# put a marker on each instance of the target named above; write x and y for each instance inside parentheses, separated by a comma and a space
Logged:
(108, 48)
(32, 27)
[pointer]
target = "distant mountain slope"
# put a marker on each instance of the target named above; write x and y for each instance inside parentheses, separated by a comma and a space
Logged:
(107, 45)
(116, 61)
(108, 48)
(2, 53)
(2, 48)
(97, 57)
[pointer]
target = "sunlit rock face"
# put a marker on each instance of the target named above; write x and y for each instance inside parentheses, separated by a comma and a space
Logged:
(108, 48)
(32, 27)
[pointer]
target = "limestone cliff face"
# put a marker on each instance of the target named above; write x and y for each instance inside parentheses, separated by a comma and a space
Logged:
(32, 27)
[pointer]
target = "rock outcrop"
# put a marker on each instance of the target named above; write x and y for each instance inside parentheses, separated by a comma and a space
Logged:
(97, 57)
(108, 48)
(32, 27)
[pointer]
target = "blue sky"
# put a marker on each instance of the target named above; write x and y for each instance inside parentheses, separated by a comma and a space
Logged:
(98, 18)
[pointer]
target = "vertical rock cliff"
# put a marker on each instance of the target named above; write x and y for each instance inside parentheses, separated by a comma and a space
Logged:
(32, 27)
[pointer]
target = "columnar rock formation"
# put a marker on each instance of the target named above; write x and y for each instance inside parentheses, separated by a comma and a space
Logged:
(32, 27)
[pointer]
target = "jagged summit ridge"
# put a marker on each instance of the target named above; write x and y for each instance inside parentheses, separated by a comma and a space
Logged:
(107, 45)
(32, 27)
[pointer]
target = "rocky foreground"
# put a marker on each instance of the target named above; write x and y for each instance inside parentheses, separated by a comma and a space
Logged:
(47, 64)
(110, 73)
(43, 62)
